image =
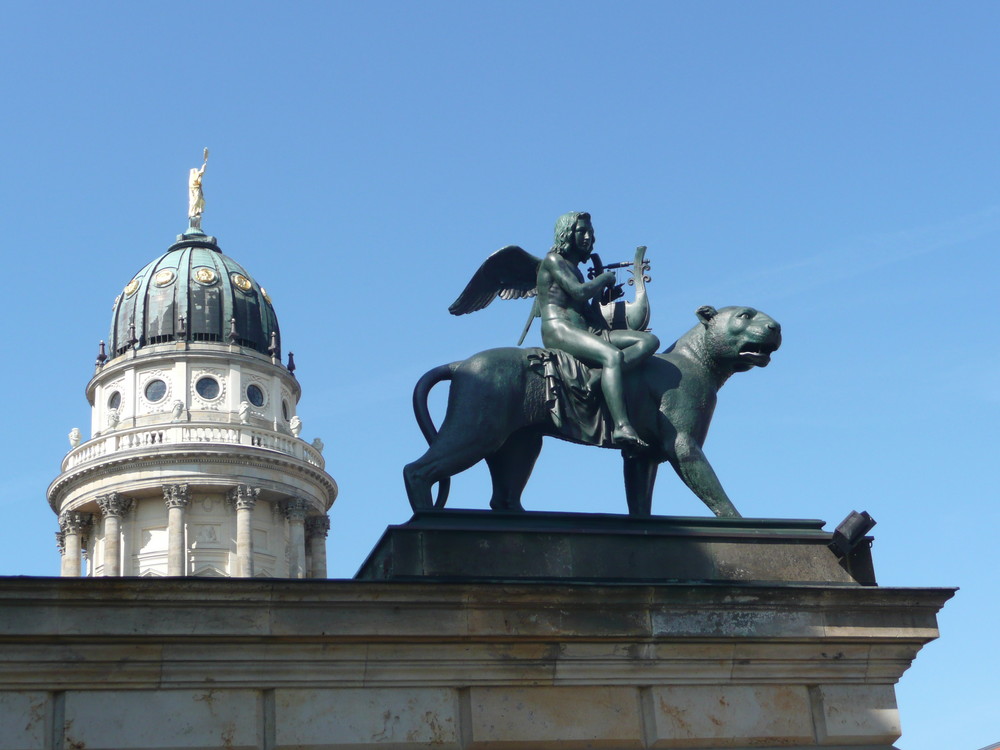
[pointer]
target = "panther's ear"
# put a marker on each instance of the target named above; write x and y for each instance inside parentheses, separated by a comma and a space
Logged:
(705, 314)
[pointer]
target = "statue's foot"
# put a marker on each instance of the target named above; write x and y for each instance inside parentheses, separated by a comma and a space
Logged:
(625, 436)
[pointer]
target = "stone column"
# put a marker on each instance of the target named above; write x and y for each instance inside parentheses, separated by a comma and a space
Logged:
(61, 546)
(244, 498)
(295, 511)
(73, 525)
(113, 506)
(177, 498)
(317, 527)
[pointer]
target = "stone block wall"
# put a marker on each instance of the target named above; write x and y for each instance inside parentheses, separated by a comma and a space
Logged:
(322, 665)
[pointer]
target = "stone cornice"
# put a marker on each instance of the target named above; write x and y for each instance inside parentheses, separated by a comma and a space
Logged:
(340, 633)
(171, 455)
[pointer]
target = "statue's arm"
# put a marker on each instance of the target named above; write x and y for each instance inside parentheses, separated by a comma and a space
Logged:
(562, 273)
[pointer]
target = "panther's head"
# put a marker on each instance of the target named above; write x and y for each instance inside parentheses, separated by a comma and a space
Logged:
(739, 338)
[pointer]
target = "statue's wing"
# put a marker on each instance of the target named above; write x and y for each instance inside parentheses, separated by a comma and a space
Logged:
(510, 273)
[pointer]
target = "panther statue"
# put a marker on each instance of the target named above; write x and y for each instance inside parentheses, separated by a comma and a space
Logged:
(498, 410)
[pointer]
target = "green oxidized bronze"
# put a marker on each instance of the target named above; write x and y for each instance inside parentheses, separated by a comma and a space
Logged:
(597, 382)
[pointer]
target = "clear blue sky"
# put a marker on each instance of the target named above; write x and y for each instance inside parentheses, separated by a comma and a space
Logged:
(833, 163)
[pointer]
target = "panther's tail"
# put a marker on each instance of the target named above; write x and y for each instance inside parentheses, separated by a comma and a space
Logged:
(420, 392)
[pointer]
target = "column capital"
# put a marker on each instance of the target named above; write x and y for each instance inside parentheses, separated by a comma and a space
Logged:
(318, 526)
(114, 504)
(243, 496)
(295, 509)
(176, 495)
(61, 542)
(75, 522)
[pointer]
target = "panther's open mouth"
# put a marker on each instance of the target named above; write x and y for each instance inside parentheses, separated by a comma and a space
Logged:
(759, 354)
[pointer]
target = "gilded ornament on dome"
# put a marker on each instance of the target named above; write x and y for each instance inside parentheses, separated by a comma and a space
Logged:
(204, 275)
(265, 295)
(132, 286)
(164, 277)
(242, 282)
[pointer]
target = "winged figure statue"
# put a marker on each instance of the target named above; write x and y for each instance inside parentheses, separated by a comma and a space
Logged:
(569, 307)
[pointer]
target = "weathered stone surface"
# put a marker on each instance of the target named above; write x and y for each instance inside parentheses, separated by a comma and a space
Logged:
(555, 718)
(24, 720)
(205, 719)
(855, 714)
(730, 716)
(519, 666)
(343, 719)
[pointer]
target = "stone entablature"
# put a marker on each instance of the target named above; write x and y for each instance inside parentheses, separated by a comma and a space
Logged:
(332, 665)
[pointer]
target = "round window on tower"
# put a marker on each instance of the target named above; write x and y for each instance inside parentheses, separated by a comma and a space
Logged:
(114, 400)
(155, 390)
(208, 388)
(255, 395)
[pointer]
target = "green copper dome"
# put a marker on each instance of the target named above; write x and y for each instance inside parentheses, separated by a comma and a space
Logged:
(194, 292)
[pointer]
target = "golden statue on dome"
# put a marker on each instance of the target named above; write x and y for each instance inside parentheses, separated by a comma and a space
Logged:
(196, 197)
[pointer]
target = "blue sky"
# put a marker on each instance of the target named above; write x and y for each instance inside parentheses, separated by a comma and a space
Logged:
(833, 164)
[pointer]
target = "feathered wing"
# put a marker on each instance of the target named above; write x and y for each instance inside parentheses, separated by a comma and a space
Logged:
(509, 273)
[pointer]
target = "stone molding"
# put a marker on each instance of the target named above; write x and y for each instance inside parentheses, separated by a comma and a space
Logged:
(243, 497)
(317, 526)
(115, 504)
(176, 495)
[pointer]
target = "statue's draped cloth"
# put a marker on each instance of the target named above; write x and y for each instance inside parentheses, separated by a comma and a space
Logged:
(573, 397)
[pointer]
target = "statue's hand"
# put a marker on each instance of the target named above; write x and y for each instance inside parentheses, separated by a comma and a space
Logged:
(608, 278)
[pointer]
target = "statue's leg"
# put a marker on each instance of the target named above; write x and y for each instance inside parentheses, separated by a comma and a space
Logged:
(445, 458)
(640, 476)
(595, 351)
(510, 468)
(636, 346)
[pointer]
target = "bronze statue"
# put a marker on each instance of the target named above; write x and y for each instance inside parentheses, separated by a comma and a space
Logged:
(504, 401)
(568, 306)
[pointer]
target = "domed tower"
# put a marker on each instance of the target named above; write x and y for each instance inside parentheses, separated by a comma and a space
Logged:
(195, 465)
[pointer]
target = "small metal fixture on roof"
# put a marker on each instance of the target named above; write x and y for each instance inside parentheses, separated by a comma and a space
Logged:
(102, 356)
(232, 331)
(132, 340)
(182, 326)
(273, 348)
(291, 364)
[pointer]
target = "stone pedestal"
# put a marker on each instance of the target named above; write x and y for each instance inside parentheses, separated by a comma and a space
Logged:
(471, 545)
(337, 665)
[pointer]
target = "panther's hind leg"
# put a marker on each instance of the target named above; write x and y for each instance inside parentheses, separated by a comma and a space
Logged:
(510, 468)
(445, 458)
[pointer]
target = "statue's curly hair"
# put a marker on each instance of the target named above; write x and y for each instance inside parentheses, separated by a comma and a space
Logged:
(565, 225)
